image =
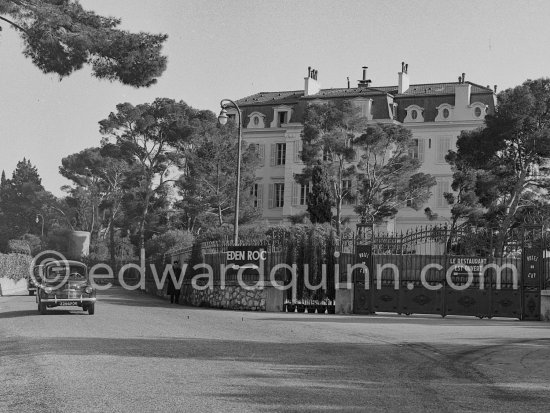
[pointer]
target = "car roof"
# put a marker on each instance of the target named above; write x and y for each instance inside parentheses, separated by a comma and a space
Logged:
(64, 262)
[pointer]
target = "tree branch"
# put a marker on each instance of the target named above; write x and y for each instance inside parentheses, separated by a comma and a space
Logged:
(14, 24)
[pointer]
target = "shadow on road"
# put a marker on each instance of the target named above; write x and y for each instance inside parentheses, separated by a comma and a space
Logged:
(30, 313)
(320, 375)
(390, 319)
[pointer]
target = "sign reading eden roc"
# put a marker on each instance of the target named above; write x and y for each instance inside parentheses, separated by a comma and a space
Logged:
(245, 256)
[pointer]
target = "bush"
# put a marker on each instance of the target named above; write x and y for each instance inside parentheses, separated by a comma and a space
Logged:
(19, 246)
(58, 240)
(14, 266)
(35, 243)
(171, 240)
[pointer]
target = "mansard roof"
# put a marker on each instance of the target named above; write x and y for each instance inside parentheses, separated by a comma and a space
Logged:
(426, 89)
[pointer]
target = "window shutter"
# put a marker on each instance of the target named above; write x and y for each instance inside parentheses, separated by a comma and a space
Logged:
(260, 196)
(271, 195)
(421, 149)
(445, 188)
(295, 193)
(298, 150)
(442, 187)
(443, 146)
(261, 153)
(273, 154)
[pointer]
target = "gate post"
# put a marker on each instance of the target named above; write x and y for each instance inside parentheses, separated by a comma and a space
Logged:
(531, 272)
(363, 293)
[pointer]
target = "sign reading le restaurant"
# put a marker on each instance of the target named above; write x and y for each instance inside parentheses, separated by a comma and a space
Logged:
(245, 256)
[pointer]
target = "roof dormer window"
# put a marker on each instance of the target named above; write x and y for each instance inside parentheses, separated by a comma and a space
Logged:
(479, 110)
(364, 106)
(256, 120)
(414, 114)
(281, 116)
(444, 112)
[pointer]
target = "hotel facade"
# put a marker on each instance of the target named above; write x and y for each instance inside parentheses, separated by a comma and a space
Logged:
(435, 113)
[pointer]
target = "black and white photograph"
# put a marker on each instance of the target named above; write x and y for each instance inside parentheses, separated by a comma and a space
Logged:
(274, 206)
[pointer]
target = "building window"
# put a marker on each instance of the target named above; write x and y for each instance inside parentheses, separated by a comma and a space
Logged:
(364, 107)
(442, 187)
(256, 195)
(443, 147)
(347, 195)
(445, 113)
(278, 195)
(477, 112)
(278, 154)
(299, 193)
(281, 115)
(260, 150)
(418, 149)
(414, 114)
(256, 120)
(282, 118)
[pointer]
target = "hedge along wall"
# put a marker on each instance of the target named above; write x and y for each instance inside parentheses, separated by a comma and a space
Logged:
(13, 268)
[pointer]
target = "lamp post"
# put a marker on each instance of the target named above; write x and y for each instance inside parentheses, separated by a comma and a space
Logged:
(222, 118)
(42, 218)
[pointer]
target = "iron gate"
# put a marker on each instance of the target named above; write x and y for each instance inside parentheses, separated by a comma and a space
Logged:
(426, 272)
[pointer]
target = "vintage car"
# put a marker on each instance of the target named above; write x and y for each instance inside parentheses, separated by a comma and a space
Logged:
(65, 283)
(34, 281)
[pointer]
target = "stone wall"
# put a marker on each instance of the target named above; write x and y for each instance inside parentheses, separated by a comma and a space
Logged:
(11, 287)
(233, 297)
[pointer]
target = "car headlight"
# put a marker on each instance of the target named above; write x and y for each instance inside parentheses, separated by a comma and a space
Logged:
(48, 290)
(89, 290)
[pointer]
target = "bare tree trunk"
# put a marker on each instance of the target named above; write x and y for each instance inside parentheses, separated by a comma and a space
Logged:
(112, 249)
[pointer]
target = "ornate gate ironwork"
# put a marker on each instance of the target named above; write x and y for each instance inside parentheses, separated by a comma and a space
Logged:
(426, 272)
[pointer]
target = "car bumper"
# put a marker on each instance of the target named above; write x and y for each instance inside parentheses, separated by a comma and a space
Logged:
(81, 299)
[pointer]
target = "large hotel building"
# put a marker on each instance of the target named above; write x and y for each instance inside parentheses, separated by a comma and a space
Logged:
(435, 113)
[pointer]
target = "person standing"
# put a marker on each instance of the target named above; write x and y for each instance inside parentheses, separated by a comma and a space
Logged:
(174, 292)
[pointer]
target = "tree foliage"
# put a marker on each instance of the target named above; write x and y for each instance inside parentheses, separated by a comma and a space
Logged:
(60, 37)
(328, 134)
(209, 182)
(152, 137)
(388, 173)
(319, 200)
(500, 171)
(22, 198)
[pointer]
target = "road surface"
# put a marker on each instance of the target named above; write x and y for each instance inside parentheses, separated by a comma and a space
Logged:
(141, 354)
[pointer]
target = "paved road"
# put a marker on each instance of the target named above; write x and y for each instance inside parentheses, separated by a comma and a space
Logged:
(141, 354)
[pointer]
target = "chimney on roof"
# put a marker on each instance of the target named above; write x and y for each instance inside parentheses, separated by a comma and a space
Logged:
(311, 86)
(364, 82)
(463, 93)
(348, 81)
(403, 78)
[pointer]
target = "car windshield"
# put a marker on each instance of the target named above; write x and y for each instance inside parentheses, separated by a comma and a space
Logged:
(76, 272)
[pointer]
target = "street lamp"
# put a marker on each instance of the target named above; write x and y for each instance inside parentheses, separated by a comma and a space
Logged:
(222, 118)
(37, 221)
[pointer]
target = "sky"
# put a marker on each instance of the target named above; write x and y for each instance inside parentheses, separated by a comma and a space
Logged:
(231, 49)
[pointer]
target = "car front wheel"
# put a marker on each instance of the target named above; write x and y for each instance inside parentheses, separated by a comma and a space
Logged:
(91, 309)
